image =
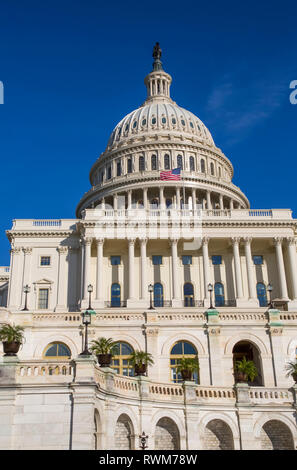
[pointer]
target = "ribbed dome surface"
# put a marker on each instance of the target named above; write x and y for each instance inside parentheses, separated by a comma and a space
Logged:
(162, 117)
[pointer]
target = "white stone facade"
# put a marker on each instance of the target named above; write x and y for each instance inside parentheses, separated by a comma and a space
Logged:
(129, 213)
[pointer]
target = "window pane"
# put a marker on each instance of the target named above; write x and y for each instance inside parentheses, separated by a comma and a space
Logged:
(43, 299)
(157, 259)
(217, 259)
(63, 350)
(45, 261)
(189, 349)
(187, 259)
(258, 259)
(126, 349)
(115, 260)
(52, 351)
(177, 349)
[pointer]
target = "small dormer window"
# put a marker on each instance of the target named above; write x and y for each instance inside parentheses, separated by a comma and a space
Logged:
(154, 120)
(183, 122)
(134, 124)
(143, 122)
(163, 120)
(173, 121)
(198, 127)
(127, 128)
(191, 124)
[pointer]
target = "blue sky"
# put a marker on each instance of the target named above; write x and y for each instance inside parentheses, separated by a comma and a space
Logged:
(72, 69)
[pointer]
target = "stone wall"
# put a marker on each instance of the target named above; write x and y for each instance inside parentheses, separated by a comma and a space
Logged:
(276, 435)
(218, 436)
(166, 435)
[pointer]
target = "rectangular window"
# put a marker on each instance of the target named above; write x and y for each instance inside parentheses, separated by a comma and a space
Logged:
(119, 169)
(129, 169)
(258, 259)
(216, 259)
(45, 261)
(43, 299)
(115, 260)
(109, 172)
(157, 259)
(187, 259)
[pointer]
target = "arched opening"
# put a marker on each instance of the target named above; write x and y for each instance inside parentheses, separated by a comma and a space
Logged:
(158, 295)
(212, 169)
(120, 361)
(180, 162)
(141, 163)
(202, 165)
(218, 436)
(276, 435)
(192, 164)
(154, 162)
(219, 294)
(251, 353)
(167, 435)
(57, 350)
(97, 430)
(182, 349)
(123, 436)
(189, 295)
(262, 294)
(166, 162)
(115, 300)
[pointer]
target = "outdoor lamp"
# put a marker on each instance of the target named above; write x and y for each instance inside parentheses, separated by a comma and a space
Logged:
(210, 289)
(26, 291)
(90, 290)
(151, 290)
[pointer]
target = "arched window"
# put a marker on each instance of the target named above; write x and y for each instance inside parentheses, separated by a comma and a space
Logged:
(129, 165)
(261, 294)
(188, 294)
(158, 295)
(141, 164)
(202, 165)
(115, 295)
(192, 164)
(212, 169)
(166, 162)
(180, 350)
(180, 162)
(57, 350)
(154, 162)
(219, 294)
(251, 353)
(120, 361)
(168, 203)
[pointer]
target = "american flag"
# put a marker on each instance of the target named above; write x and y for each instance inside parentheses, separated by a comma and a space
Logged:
(170, 175)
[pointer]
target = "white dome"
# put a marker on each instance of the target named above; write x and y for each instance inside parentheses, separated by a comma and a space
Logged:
(162, 117)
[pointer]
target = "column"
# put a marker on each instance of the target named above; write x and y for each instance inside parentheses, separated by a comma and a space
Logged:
(250, 269)
(115, 202)
(87, 265)
(144, 286)
(208, 200)
(292, 265)
(177, 198)
(130, 199)
(221, 202)
(206, 276)
(99, 270)
(231, 204)
(131, 243)
(161, 197)
(62, 276)
(15, 280)
(175, 283)
(238, 278)
(26, 273)
(145, 198)
(193, 199)
(281, 267)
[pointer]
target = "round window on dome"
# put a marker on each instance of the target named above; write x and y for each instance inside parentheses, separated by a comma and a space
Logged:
(163, 120)
(154, 120)
(143, 122)
(173, 121)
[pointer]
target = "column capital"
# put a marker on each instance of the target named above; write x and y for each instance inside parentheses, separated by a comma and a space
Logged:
(291, 241)
(235, 240)
(27, 250)
(143, 240)
(277, 241)
(62, 250)
(87, 241)
(205, 240)
(16, 250)
(173, 241)
(100, 241)
(131, 241)
(247, 240)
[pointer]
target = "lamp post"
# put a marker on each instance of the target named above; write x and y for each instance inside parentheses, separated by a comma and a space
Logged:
(270, 289)
(143, 441)
(26, 291)
(151, 289)
(90, 290)
(210, 289)
(86, 319)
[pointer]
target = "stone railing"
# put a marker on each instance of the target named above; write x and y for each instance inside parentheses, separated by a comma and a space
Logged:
(264, 395)
(42, 224)
(207, 394)
(162, 391)
(4, 270)
(37, 371)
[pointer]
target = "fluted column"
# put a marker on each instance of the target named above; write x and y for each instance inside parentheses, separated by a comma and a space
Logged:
(115, 202)
(26, 273)
(221, 202)
(281, 267)
(174, 260)
(178, 198)
(130, 199)
(144, 286)
(62, 276)
(161, 197)
(131, 243)
(237, 266)
(206, 276)
(250, 269)
(292, 265)
(15, 279)
(99, 269)
(208, 199)
(145, 198)
(231, 204)
(87, 265)
(193, 199)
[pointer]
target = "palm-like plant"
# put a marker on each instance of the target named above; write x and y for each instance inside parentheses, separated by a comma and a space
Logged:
(189, 364)
(291, 368)
(12, 333)
(138, 358)
(103, 346)
(247, 369)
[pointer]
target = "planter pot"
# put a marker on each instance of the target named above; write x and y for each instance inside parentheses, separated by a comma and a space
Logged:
(240, 377)
(140, 369)
(186, 375)
(11, 349)
(104, 359)
(295, 378)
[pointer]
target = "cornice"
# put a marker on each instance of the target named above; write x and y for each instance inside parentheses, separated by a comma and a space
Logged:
(12, 234)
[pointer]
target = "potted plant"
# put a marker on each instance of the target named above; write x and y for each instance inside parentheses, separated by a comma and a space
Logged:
(104, 349)
(291, 368)
(140, 360)
(12, 337)
(187, 366)
(245, 371)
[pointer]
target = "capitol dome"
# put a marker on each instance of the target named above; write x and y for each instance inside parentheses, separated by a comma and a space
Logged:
(162, 136)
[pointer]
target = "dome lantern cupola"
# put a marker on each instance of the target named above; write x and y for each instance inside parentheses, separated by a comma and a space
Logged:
(158, 82)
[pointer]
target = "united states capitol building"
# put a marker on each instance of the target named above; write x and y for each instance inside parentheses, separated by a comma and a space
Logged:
(197, 243)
